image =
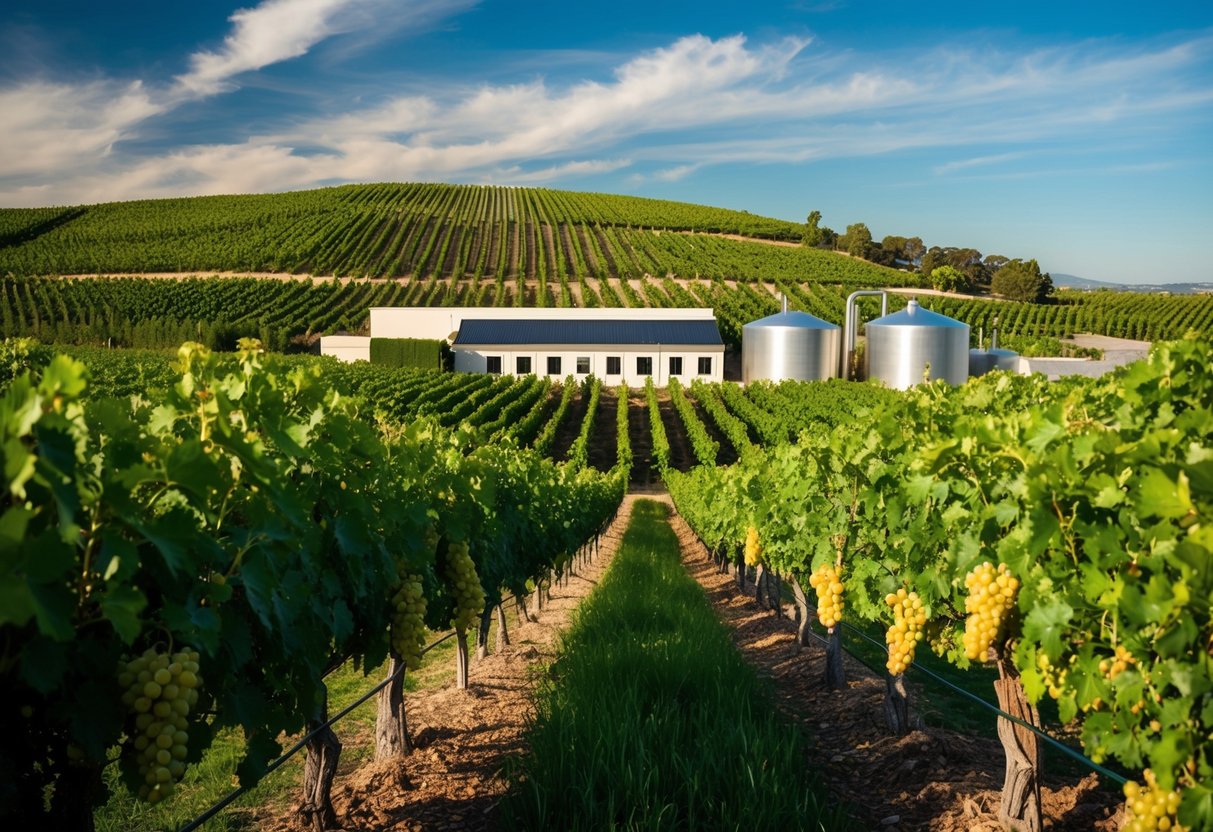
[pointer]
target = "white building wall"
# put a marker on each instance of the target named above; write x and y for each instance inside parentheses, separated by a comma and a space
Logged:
(439, 322)
(346, 347)
(475, 360)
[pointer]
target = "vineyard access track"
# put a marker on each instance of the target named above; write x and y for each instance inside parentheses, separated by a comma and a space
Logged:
(930, 779)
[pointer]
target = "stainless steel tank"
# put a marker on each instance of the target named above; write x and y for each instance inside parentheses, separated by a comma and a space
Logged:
(980, 362)
(906, 345)
(789, 345)
(1004, 360)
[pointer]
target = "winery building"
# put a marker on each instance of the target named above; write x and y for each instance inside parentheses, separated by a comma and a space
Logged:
(616, 345)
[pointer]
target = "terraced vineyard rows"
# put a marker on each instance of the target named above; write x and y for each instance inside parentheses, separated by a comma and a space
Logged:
(450, 233)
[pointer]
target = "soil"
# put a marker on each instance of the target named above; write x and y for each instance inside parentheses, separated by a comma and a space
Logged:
(603, 453)
(932, 778)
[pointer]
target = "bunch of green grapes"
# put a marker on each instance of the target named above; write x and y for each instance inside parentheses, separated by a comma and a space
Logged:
(909, 617)
(828, 582)
(161, 689)
(991, 597)
(408, 621)
(1150, 806)
(753, 548)
(429, 539)
(1055, 677)
(461, 575)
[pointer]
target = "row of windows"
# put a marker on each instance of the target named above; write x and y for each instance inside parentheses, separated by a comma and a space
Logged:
(614, 365)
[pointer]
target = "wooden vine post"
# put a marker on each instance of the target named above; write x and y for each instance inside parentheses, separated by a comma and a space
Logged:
(482, 633)
(1020, 809)
(391, 723)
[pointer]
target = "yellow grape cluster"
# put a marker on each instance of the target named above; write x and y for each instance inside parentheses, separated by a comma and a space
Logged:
(991, 597)
(909, 617)
(753, 548)
(828, 582)
(1118, 664)
(1151, 807)
(461, 575)
(161, 688)
(408, 621)
(1054, 676)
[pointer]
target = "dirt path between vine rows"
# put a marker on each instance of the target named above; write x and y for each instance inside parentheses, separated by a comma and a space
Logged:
(930, 779)
(453, 780)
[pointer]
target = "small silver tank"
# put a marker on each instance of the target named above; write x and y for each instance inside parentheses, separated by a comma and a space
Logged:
(902, 346)
(789, 345)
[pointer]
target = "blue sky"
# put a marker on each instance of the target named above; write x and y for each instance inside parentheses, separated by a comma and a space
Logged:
(1078, 133)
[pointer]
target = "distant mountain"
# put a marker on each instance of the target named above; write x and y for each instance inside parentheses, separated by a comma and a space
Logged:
(1086, 284)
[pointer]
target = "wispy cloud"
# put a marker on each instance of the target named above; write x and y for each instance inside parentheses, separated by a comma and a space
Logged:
(697, 101)
(978, 161)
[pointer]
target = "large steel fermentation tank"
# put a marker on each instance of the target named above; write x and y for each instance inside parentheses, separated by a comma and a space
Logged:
(789, 345)
(905, 345)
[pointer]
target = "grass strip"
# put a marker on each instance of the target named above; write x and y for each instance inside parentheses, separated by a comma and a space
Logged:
(651, 720)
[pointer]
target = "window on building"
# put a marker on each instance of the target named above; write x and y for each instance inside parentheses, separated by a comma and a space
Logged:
(644, 365)
(614, 365)
(492, 364)
(553, 365)
(705, 365)
(523, 363)
(675, 365)
(583, 364)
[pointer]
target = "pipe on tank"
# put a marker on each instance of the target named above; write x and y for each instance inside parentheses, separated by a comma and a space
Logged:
(851, 324)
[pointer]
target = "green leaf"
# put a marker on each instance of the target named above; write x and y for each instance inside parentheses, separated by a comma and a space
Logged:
(122, 605)
(1158, 495)
(1046, 624)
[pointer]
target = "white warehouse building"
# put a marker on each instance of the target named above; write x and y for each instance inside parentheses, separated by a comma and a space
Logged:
(615, 345)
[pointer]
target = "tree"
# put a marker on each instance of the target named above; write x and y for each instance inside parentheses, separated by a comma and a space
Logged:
(812, 230)
(1023, 281)
(949, 279)
(857, 240)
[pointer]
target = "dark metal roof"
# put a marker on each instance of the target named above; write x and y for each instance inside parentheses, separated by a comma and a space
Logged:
(504, 332)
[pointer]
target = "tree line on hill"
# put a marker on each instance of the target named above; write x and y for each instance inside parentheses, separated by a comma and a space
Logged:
(949, 268)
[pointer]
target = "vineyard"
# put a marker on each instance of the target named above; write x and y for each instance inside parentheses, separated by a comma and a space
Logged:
(179, 569)
(450, 233)
(289, 315)
(1057, 532)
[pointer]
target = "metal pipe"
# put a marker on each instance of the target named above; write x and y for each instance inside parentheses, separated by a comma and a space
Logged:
(851, 323)
(784, 296)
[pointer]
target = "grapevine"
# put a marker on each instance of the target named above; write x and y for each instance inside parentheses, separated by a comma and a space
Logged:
(827, 580)
(161, 689)
(991, 596)
(909, 617)
(461, 575)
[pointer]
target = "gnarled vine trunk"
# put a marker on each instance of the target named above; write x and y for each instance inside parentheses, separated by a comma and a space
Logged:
(760, 585)
(896, 704)
(503, 634)
(319, 769)
(836, 676)
(391, 722)
(482, 633)
(461, 659)
(522, 613)
(1020, 809)
(802, 609)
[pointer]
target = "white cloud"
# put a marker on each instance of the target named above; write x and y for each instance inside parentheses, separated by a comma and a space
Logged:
(274, 31)
(56, 129)
(978, 161)
(694, 102)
